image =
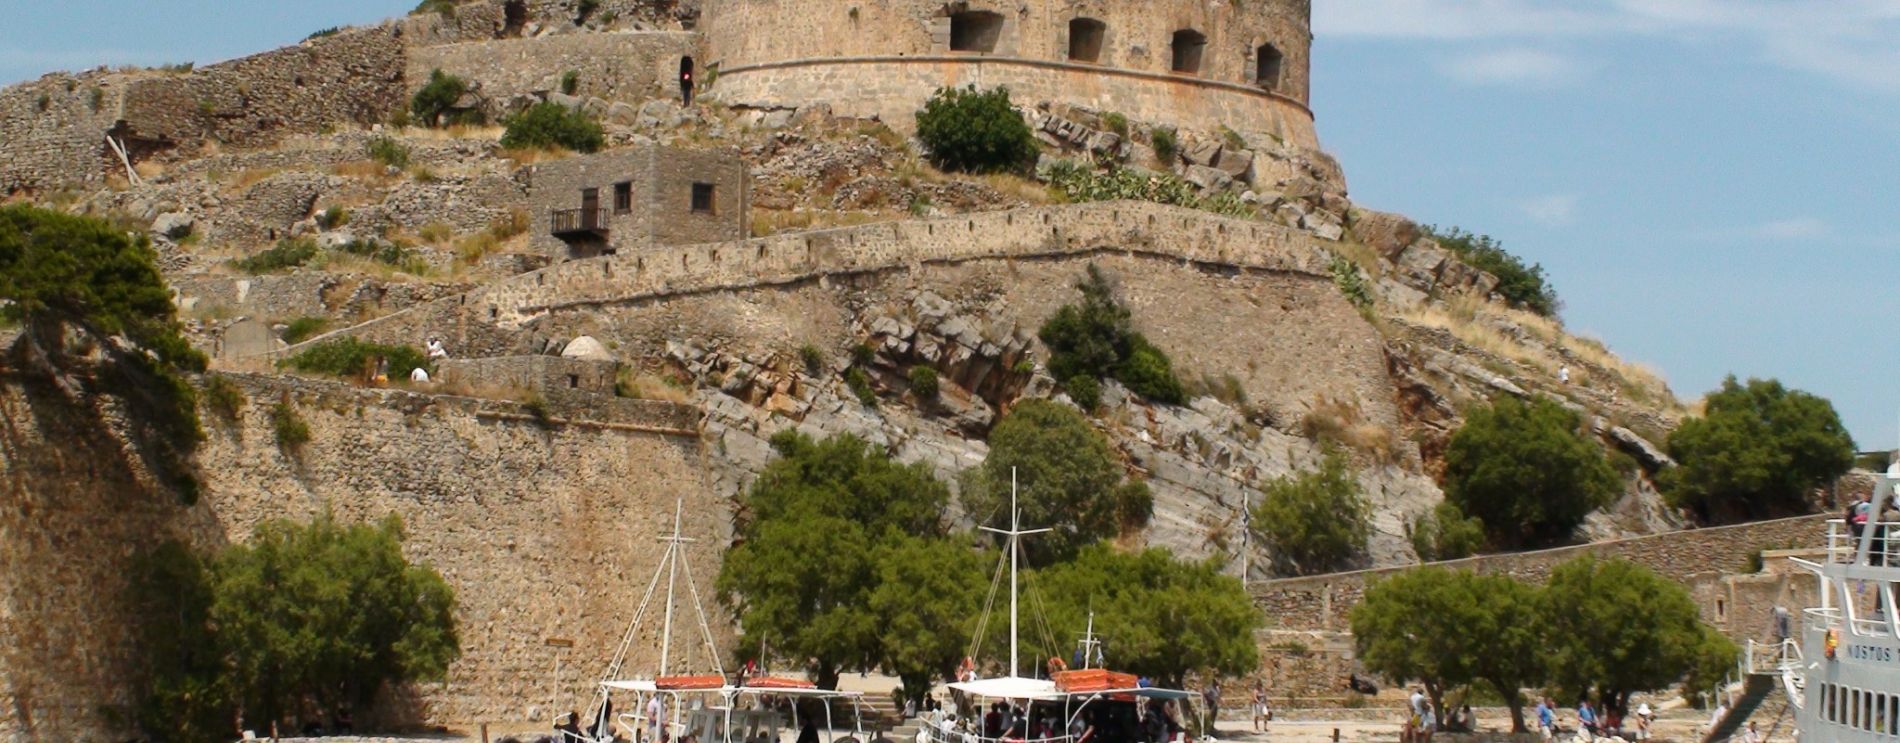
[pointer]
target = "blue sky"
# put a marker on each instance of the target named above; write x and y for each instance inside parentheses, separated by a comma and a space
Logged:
(1711, 184)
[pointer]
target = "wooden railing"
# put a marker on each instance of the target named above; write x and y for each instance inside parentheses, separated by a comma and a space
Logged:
(571, 221)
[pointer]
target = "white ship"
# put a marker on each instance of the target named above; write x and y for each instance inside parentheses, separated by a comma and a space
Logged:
(1840, 668)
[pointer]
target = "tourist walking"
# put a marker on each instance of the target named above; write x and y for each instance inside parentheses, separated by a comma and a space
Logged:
(1546, 719)
(1586, 719)
(1262, 714)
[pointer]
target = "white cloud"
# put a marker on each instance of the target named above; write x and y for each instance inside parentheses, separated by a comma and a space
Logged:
(1853, 42)
(1798, 228)
(1552, 210)
(1516, 67)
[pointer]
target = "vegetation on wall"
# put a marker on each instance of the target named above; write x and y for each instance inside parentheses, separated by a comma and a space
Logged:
(1068, 479)
(1445, 534)
(1757, 450)
(351, 357)
(1096, 339)
(1528, 471)
(64, 275)
(1079, 182)
(434, 104)
(974, 131)
(547, 126)
(1523, 286)
(1314, 520)
(302, 624)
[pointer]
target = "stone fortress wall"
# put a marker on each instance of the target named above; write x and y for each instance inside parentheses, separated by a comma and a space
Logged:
(625, 66)
(544, 528)
(886, 57)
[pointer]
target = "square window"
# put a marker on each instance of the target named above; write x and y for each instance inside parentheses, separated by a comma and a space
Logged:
(573, 381)
(623, 198)
(703, 198)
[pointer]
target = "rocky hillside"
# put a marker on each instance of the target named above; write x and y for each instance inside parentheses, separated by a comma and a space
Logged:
(1278, 363)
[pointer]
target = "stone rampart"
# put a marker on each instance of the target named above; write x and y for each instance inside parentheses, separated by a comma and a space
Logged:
(542, 523)
(1173, 62)
(482, 322)
(1325, 602)
(621, 66)
(52, 130)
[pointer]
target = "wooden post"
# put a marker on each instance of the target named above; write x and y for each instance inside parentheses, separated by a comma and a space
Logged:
(1335, 735)
(484, 732)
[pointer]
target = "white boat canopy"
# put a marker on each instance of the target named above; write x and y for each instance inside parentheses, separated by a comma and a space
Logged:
(1010, 687)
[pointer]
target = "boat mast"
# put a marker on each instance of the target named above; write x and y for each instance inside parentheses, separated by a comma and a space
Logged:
(672, 577)
(1015, 534)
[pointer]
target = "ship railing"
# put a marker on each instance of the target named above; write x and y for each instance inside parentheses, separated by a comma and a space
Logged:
(1843, 542)
(939, 735)
(1772, 657)
(1822, 620)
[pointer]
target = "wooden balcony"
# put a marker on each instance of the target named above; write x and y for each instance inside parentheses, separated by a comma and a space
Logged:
(576, 223)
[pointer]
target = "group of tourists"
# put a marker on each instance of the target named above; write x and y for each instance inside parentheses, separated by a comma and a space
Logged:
(1593, 723)
(1423, 720)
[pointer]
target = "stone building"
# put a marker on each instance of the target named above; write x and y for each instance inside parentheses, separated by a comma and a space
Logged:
(630, 198)
(1197, 64)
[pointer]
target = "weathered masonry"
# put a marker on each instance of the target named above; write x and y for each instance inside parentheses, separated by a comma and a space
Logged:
(1172, 62)
(627, 199)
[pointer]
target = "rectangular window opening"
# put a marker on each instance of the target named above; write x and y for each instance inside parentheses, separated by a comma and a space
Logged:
(975, 31)
(703, 194)
(1085, 39)
(623, 198)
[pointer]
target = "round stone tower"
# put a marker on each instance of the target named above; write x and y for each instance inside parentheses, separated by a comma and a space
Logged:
(1197, 64)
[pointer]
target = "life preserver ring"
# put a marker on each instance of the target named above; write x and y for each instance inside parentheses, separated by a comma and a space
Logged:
(1057, 665)
(1833, 642)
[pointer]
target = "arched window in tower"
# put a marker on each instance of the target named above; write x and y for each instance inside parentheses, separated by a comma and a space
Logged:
(1189, 45)
(1085, 39)
(1266, 66)
(975, 31)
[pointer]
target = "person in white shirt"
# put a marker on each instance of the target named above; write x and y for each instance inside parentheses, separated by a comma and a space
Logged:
(419, 375)
(656, 720)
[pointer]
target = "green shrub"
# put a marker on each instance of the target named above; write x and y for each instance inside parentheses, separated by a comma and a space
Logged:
(444, 8)
(1522, 286)
(1757, 450)
(322, 32)
(347, 357)
(860, 384)
(1314, 520)
(434, 104)
(1351, 282)
(570, 82)
(813, 358)
(1232, 138)
(1082, 183)
(537, 407)
(975, 131)
(586, 9)
(289, 427)
(1445, 534)
(923, 382)
(1165, 145)
(304, 327)
(1116, 123)
(1096, 339)
(388, 152)
(223, 397)
(387, 253)
(286, 254)
(1084, 391)
(863, 354)
(1069, 476)
(1529, 471)
(333, 218)
(549, 126)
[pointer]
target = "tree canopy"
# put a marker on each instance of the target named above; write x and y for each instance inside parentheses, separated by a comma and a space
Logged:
(1096, 340)
(1617, 627)
(1068, 476)
(1521, 285)
(1445, 534)
(1161, 617)
(1314, 520)
(1757, 450)
(1527, 471)
(924, 598)
(61, 272)
(813, 536)
(1607, 628)
(300, 623)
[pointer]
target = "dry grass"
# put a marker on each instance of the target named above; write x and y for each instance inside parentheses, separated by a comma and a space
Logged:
(436, 233)
(645, 386)
(1471, 320)
(148, 169)
(458, 131)
(1017, 187)
(522, 156)
(470, 249)
(1340, 421)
